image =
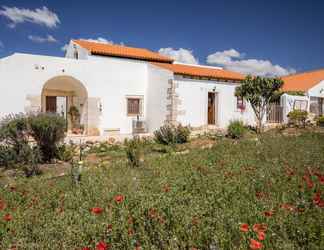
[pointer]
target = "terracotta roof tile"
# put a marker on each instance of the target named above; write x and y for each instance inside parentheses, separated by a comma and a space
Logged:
(199, 71)
(122, 51)
(302, 81)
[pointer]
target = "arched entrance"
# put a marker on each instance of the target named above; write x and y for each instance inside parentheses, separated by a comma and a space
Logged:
(68, 97)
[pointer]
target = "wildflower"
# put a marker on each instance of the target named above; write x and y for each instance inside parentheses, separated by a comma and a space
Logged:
(109, 228)
(102, 246)
(317, 199)
(260, 228)
(152, 213)
(7, 217)
(254, 244)
(261, 235)
(268, 213)
(287, 207)
(166, 189)
(130, 232)
(119, 198)
(244, 228)
(308, 180)
(2, 205)
(96, 210)
(320, 178)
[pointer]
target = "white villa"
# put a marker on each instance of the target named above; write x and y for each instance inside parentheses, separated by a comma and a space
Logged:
(120, 90)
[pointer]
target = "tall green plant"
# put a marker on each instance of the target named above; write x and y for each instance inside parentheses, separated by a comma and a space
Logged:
(48, 130)
(259, 92)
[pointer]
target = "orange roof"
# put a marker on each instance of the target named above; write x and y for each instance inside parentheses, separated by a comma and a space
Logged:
(122, 51)
(302, 81)
(209, 72)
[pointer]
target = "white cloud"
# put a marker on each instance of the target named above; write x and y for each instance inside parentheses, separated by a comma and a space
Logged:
(180, 55)
(42, 16)
(96, 40)
(234, 60)
(39, 39)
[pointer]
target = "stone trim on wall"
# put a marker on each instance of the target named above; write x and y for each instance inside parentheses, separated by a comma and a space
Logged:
(174, 102)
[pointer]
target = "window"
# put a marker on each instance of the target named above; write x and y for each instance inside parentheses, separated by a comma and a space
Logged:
(134, 106)
(300, 105)
(240, 103)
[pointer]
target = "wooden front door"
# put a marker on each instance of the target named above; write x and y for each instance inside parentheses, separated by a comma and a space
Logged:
(211, 108)
(51, 104)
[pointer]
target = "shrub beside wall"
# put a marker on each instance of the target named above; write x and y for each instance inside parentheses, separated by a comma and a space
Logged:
(297, 118)
(236, 129)
(171, 134)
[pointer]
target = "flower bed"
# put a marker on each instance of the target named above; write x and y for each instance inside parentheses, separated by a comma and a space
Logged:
(247, 194)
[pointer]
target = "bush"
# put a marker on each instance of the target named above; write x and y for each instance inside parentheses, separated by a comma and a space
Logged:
(171, 134)
(135, 151)
(297, 118)
(7, 156)
(236, 129)
(320, 121)
(48, 131)
(14, 132)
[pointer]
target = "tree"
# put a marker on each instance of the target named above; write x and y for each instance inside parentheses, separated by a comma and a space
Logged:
(259, 92)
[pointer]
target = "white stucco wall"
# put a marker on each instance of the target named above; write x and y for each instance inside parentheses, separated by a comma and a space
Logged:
(193, 96)
(317, 90)
(157, 101)
(108, 82)
(287, 102)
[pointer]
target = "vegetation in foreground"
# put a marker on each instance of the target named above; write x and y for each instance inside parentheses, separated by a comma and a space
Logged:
(265, 193)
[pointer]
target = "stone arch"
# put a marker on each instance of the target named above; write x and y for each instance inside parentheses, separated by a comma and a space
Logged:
(59, 94)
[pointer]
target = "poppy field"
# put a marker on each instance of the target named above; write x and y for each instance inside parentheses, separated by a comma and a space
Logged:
(264, 193)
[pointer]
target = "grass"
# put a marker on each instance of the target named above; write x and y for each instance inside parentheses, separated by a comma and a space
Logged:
(197, 200)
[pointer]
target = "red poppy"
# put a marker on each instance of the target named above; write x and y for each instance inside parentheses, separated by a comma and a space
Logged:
(7, 217)
(244, 228)
(320, 178)
(317, 199)
(96, 210)
(268, 213)
(109, 228)
(119, 198)
(261, 235)
(287, 207)
(2, 205)
(102, 246)
(308, 180)
(260, 228)
(254, 244)
(166, 188)
(130, 232)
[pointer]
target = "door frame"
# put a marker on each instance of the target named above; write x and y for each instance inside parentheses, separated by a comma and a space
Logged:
(215, 108)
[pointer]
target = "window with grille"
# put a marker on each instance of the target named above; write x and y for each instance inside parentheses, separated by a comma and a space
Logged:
(300, 105)
(134, 106)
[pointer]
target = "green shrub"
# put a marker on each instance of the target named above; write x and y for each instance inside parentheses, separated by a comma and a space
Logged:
(320, 121)
(171, 134)
(297, 118)
(66, 152)
(236, 129)
(14, 132)
(48, 130)
(7, 156)
(135, 151)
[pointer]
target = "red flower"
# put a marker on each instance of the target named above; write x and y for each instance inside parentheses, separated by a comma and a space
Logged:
(260, 228)
(109, 228)
(320, 178)
(2, 205)
(308, 180)
(261, 235)
(244, 228)
(254, 244)
(317, 200)
(287, 206)
(130, 232)
(96, 210)
(268, 213)
(7, 217)
(119, 198)
(102, 246)
(166, 188)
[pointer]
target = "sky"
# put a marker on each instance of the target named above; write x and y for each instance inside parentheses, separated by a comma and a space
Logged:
(268, 38)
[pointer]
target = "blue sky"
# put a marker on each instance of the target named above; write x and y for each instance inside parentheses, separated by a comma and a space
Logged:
(255, 36)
